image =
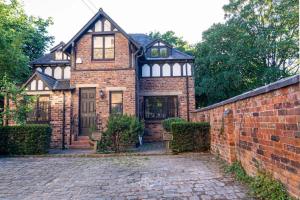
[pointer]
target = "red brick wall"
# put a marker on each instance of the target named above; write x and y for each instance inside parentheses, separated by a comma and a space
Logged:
(262, 132)
(166, 86)
(84, 51)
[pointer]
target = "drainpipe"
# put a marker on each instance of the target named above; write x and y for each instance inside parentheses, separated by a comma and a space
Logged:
(187, 92)
(64, 121)
(137, 88)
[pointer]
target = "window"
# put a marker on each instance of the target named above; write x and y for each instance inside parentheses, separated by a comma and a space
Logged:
(156, 70)
(160, 107)
(176, 70)
(39, 69)
(166, 70)
(67, 72)
(41, 111)
(187, 68)
(40, 85)
(116, 102)
(57, 73)
(48, 71)
(103, 47)
(146, 70)
(154, 52)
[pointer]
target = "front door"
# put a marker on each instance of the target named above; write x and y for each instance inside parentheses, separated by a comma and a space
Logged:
(87, 110)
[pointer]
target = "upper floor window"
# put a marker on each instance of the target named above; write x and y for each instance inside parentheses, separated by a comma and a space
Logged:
(146, 70)
(159, 49)
(166, 70)
(59, 55)
(103, 47)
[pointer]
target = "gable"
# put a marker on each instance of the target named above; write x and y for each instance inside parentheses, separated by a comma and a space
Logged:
(35, 83)
(100, 22)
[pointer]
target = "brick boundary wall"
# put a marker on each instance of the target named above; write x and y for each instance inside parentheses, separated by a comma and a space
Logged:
(260, 128)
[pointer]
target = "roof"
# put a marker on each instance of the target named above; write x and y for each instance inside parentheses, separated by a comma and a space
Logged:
(51, 82)
(60, 45)
(145, 40)
(93, 20)
(48, 59)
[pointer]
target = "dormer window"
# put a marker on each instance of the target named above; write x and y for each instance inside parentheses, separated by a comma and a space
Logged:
(59, 55)
(160, 50)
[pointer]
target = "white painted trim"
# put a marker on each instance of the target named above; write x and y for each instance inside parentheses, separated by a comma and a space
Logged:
(164, 93)
(86, 85)
(38, 92)
(115, 88)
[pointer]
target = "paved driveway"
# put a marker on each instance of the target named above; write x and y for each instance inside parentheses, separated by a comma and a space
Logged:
(191, 176)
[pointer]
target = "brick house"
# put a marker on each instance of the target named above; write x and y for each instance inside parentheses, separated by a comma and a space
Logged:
(104, 70)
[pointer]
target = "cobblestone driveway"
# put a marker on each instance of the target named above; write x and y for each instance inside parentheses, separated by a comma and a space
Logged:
(191, 176)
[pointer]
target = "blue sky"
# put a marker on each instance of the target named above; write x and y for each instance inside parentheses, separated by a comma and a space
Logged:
(188, 18)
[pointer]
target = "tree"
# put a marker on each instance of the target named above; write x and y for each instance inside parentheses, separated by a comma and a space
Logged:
(23, 38)
(23, 103)
(173, 40)
(257, 44)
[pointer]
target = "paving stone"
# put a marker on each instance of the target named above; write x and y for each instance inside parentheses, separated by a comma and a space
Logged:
(187, 176)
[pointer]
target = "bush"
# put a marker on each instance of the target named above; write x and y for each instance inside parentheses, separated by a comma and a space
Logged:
(263, 186)
(122, 131)
(190, 136)
(168, 122)
(25, 139)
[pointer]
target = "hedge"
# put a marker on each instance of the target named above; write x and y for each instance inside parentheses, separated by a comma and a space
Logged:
(25, 139)
(190, 136)
(168, 122)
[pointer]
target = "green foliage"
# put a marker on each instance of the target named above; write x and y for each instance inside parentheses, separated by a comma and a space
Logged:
(23, 38)
(263, 186)
(122, 131)
(168, 122)
(25, 139)
(173, 40)
(258, 44)
(23, 103)
(190, 136)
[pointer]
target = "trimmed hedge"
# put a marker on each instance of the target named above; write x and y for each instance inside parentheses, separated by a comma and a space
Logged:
(168, 122)
(190, 136)
(25, 139)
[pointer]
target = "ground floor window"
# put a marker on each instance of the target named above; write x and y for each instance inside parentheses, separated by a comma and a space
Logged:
(160, 107)
(41, 111)
(116, 102)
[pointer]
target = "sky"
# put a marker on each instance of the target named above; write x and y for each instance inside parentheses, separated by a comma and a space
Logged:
(187, 18)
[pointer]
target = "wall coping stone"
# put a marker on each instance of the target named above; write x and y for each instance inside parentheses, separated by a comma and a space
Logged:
(255, 92)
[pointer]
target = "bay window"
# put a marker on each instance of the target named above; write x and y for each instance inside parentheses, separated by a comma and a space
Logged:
(160, 107)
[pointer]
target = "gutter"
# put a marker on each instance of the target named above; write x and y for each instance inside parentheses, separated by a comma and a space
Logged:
(64, 121)
(137, 88)
(187, 92)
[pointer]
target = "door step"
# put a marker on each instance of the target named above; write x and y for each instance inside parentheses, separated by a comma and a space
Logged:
(82, 142)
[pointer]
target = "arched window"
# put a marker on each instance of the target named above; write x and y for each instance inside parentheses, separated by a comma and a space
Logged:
(107, 26)
(176, 70)
(57, 73)
(146, 70)
(166, 70)
(33, 85)
(187, 67)
(48, 71)
(39, 69)
(40, 85)
(156, 70)
(98, 26)
(67, 72)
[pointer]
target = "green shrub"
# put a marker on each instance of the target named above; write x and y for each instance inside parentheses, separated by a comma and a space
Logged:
(263, 186)
(168, 122)
(25, 139)
(122, 131)
(190, 136)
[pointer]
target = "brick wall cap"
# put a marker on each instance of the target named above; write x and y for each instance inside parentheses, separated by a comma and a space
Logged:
(255, 92)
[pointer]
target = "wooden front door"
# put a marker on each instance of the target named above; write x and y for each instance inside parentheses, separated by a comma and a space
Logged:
(87, 110)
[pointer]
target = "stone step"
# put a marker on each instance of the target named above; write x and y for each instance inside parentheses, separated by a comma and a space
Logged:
(73, 146)
(83, 137)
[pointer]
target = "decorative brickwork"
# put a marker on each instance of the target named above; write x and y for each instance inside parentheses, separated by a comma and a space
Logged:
(261, 131)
